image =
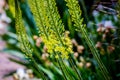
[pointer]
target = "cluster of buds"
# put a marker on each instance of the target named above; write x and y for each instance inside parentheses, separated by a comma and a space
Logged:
(38, 40)
(79, 48)
(83, 63)
(53, 45)
(22, 74)
(45, 54)
(106, 31)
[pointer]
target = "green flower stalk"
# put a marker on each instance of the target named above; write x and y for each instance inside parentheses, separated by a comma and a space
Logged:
(57, 25)
(56, 40)
(21, 33)
(58, 29)
(49, 30)
(38, 9)
(23, 38)
(75, 12)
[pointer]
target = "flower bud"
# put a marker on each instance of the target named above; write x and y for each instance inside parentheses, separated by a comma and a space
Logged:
(80, 49)
(15, 77)
(88, 65)
(30, 73)
(110, 49)
(38, 42)
(45, 56)
(98, 45)
(74, 42)
(35, 37)
(76, 54)
(100, 29)
(81, 64)
(104, 36)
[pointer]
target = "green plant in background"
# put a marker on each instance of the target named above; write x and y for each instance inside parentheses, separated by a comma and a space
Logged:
(23, 38)
(75, 12)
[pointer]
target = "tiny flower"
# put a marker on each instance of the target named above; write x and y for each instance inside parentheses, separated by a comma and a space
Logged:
(104, 36)
(81, 64)
(80, 49)
(108, 24)
(67, 33)
(100, 29)
(110, 48)
(30, 73)
(35, 37)
(45, 56)
(21, 73)
(88, 65)
(82, 59)
(15, 77)
(38, 42)
(76, 54)
(74, 42)
(107, 30)
(98, 45)
(45, 49)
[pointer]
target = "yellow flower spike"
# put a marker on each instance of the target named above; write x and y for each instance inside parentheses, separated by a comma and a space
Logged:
(75, 12)
(51, 27)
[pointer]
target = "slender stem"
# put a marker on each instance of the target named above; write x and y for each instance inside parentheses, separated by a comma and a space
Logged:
(62, 69)
(29, 54)
(65, 77)
(66, 69)
(96, 56)
(23, 37)
(36, 66)
(59, 38)
(58, 34)
(81, 28)
(75, 68)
